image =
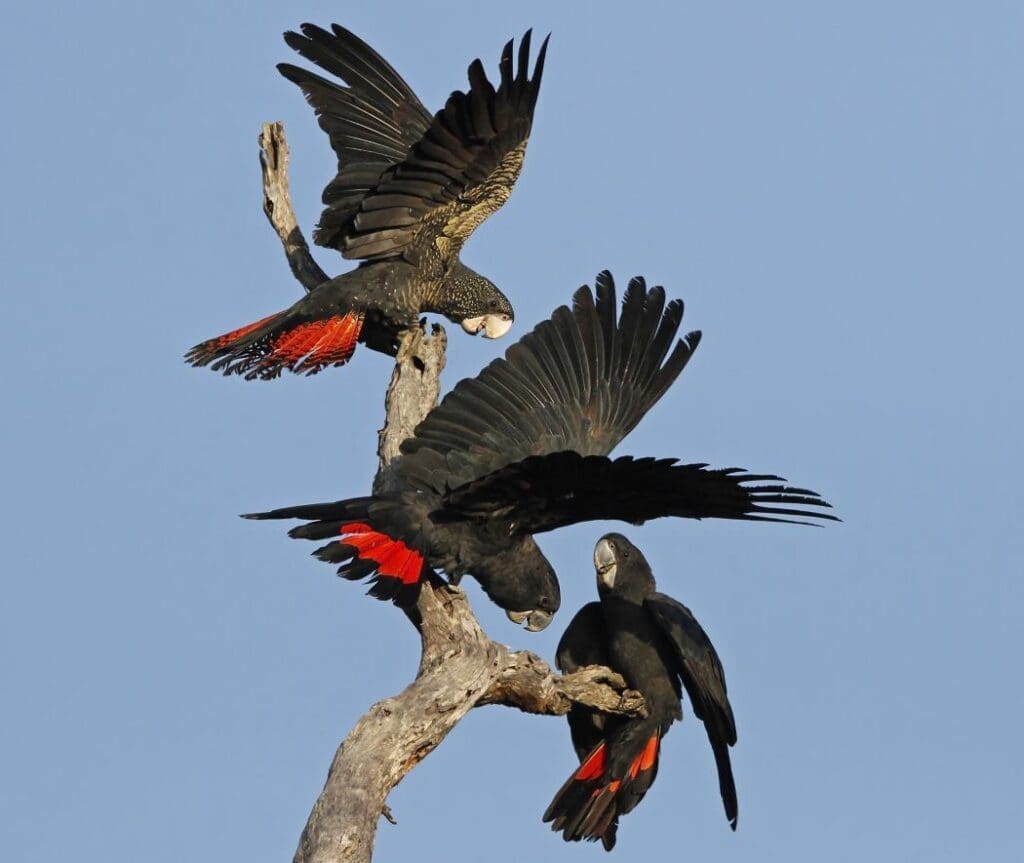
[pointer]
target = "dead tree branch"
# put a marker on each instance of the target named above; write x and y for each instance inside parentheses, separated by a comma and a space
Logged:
(277, 204)
(460, 667)
(527, 682)
(414, 389)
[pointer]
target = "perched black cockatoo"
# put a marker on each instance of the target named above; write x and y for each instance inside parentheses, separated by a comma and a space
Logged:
(410, 190)
(658, 647)
(523, 448)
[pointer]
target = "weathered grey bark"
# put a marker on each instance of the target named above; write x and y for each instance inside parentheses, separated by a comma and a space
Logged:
(277, 204)
(413, 391)
(460, 667)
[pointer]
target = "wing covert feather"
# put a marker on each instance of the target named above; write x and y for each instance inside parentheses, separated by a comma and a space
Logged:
(698, 664)
(702, 675)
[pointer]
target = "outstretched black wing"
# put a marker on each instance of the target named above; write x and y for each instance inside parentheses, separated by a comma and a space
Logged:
(373, 123)
(701, 672)
(547, 492)
(527, 439)
(579, 382)
(416, 189)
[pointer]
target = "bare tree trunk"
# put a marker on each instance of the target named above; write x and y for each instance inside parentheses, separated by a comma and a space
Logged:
(460, 667)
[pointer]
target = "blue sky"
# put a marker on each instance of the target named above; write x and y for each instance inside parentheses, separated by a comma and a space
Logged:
(835, 190)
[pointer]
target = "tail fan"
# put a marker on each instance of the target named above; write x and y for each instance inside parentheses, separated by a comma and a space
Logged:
(283, 341)
(395, 570)
(589, 804)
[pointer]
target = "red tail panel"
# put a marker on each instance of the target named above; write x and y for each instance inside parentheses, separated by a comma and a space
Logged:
(208, 350)
(590, 803)
(263, 350)
(645, 760)
(230, 338)
(593, 766)
(393, 557)
(314, 345)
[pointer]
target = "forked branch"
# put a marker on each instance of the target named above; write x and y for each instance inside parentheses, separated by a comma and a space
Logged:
(460, 667)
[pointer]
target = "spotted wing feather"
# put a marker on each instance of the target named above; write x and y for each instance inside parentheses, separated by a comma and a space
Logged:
(460, 171)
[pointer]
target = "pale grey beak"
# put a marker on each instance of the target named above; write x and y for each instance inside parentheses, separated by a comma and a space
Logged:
(535, 620)
(474, 325)
(604, 555)
(605, 562)
(495, 326)
(492, 326)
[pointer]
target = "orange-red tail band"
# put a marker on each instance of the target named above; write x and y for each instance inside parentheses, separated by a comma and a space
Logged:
(206, 351)
(592, 768)
(393, 557)
(312, 346)
(265, 348)
(228, 339)
(645, 760)
(593, 765)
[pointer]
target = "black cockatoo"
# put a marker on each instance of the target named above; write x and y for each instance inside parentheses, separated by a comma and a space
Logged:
(410, 190)
(523, 448)
(658, 647)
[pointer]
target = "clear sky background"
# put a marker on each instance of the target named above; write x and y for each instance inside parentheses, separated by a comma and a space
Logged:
(836, 190)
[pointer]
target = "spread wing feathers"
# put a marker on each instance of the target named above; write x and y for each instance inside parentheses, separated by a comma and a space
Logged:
(364, 541)
(372, 123)
(542, 493)
(580, 381)
(582, 644)
(701, 672)
(460, 171)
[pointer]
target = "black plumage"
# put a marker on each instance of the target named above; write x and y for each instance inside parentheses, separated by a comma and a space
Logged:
(523, 448)
(659, 648)
(409, 191)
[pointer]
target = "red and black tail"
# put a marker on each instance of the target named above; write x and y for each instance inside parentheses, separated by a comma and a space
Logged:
(395, 570)
(588, 806)
(286, 340)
